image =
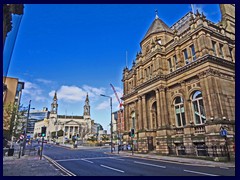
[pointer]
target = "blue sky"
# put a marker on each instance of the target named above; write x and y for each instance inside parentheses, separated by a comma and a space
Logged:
(79, 49)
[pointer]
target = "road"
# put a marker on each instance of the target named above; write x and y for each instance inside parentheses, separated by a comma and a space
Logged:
(99, 162)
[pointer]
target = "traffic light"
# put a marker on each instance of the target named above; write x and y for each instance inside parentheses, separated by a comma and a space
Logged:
(43, 132)
(132, 132)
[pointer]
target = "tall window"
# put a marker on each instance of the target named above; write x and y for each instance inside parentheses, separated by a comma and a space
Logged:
(193, 52)
(179, 112)
(185, 56)
(214, 48)
(170, 65)
(175, 61)
(198, 108)
(221, 50)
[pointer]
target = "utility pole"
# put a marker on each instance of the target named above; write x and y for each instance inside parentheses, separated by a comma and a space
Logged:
(111, 129)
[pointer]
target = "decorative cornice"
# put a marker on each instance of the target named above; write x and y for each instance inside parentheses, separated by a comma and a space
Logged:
(192, 65)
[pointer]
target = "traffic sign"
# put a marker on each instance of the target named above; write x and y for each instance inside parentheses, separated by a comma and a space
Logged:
(21, 137)
(223, 133)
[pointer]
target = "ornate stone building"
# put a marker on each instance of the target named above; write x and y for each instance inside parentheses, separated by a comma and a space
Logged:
(180, 91)
(79, 126)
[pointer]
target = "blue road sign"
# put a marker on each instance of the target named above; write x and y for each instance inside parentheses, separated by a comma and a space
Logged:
(223, 133)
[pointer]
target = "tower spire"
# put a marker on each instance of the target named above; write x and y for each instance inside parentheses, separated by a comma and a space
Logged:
(156, 12)
(54, 104)
(86, 107)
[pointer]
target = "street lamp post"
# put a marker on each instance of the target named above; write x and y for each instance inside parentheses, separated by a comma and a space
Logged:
(25, 129)
(111, 119)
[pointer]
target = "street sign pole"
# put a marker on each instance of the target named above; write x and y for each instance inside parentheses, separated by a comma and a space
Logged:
(223, 133)
(132, 145)
(41, 149)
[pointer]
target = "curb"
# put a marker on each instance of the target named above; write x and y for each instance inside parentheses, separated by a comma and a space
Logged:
(174, 161)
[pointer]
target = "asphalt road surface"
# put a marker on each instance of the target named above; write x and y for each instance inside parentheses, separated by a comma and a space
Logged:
(98, 162)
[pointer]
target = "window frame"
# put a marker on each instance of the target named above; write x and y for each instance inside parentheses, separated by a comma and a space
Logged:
(196, 103)
(181, 114)
(185, 54)
(193, 52)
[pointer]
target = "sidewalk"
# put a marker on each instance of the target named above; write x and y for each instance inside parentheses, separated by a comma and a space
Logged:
(28, 166)
(182, 160)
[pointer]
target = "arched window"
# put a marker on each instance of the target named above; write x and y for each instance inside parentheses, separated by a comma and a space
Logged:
(198, 108)
(179, 112)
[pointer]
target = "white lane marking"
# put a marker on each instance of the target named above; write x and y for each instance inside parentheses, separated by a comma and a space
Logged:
(69, 173)
(86, 160)
(99, 157)
(149, 164)
(67, 160)
(224, 168)
(112, 168)
(77, 159)
(196, 172)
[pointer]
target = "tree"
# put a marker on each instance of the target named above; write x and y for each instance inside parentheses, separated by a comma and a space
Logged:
(60, 133)
(12, 121)
(105, 137)
(83, 130)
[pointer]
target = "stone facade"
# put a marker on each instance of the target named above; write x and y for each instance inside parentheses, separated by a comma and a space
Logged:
(79, 126)
(180, 90)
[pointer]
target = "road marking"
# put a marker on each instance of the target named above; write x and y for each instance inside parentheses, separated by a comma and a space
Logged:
(224, 168)
(77, 159)
(86, 160)
(99, 158)
(69, 173)
(196, 172)
(149, 164)
(112, 168)
(67, 160)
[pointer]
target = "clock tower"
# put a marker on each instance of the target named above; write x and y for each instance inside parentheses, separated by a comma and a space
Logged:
(54, 104)
(86, 107)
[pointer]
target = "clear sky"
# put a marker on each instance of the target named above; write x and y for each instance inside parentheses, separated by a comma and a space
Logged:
(78, 49)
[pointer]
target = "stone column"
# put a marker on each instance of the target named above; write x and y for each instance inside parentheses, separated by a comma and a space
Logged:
(145, 125)
(194, 38)
(201, 42)
(180, 59)
(73, 130)
(163, 105)
(226, 51)
(127, 119)
(140, 124)
(158, 122)
(209, 44)
(68, 132)
(136, 116)
(210, 95)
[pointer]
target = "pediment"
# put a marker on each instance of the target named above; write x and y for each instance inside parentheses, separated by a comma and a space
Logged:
(72, 122)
